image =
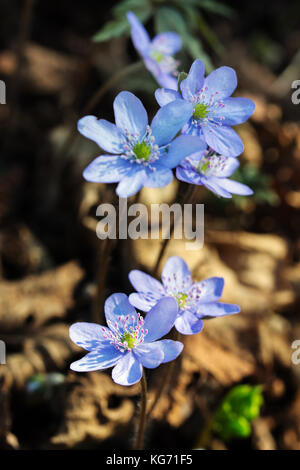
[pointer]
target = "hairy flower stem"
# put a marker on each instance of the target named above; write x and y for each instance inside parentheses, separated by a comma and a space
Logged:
(188, 198)
(143, 417)
(95, 99)
(106, 248)
(167, 377)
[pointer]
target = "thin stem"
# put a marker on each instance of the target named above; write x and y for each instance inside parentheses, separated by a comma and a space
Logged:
(94, 100)
(164, 382)
(105, 250)
(143, 417)
(188, 198)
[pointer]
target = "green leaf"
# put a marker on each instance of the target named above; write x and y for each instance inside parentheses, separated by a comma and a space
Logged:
(130, 5)
(216, 7)
(111, 29)
(240, 406)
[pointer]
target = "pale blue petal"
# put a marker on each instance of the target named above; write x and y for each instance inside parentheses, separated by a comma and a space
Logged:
(166, 80)
(89, 335)
(167, 43)
(159, 178)
(139, 35)
(171, 349)
(235, 110)
(104, 133)
(131, 184)
(98, 359)
(193, 83)
(188, 324)
(107, 169)
(151, 355)
(166, 95)
(223, 140)
(229, 165)
(128, 371)
(234, 187)
(143, 282)
(160, 319)
(182, 147)
(208, 290)
(176, 275)
(212, 183)
(130, 114)
(188, 175)
(220, 83)
(142, 302)
(216, 309)
(117, 305)
(169, 120)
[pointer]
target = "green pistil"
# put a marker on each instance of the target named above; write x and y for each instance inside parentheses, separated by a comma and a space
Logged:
(202, 167)
(181, 299)
(142, 150)
(200, 111)
(129, 339)
(157, 56)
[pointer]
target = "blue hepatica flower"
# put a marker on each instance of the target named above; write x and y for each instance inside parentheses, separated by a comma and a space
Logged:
(212, 171)
(214, 108)
(196, 300)
(143, 154)
(129, 342)
(157, 54)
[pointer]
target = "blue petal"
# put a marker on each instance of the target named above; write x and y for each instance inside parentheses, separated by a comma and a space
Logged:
(139, 35)
(107, 169)
(176, 275)
(235, 110)
(171, 349)
(89, 335)
(220, 83)
(142, 282)
(118, 305)
(166, 95)
(151, 355)
(223, 140)
(167, 43)
(169, 120)
(131, 184)
(216, 309)
(141, 301)
(234, 187)
(212, 183)
(181, 148)
(159, 178)
(128, 371)
(130, 114)
(209, 290)
(160, 319)
(188, 324)
(98, 359)
(104, 133)
(193, 83)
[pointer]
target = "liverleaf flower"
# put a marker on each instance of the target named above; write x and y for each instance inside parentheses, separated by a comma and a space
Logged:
(143, 155)
(213, 171)
(158, 53)
(214, 110)
(196, 301)
(129, 343)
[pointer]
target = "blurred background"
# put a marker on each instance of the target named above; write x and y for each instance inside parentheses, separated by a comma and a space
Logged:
(55, 59)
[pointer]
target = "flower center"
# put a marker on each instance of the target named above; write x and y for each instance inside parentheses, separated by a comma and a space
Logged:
(157, 56)
(212, 164)
(200, 111)
(128, 340)
(142, 150)
(181, 298)
(126, 333)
